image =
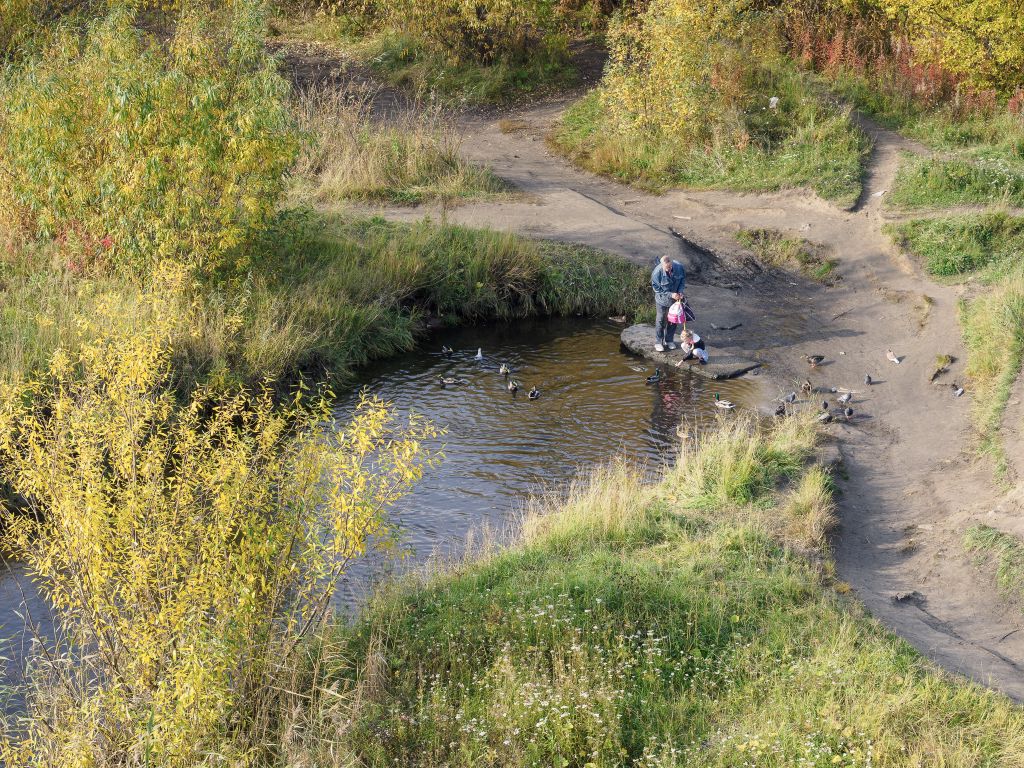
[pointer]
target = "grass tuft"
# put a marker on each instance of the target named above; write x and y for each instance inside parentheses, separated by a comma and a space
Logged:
(1003, 550)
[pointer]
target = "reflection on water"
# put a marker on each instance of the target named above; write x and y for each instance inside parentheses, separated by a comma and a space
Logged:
(500, 448)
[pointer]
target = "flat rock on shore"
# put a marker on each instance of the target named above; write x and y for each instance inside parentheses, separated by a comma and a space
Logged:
(639, 339)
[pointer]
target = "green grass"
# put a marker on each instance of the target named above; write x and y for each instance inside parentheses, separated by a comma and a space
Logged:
(632, 625)
(1005, 552)
(986, 247)
(326, 293)
(924, 182)
(821, 150)
(776, 250)
(958, 245)
(980, 154)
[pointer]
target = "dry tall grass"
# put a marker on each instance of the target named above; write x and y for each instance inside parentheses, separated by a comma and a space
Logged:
(409, 154)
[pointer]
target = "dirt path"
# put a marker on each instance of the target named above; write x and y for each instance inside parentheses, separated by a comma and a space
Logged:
(910, 488)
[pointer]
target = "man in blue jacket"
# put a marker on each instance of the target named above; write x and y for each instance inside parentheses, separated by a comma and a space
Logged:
(668, 281)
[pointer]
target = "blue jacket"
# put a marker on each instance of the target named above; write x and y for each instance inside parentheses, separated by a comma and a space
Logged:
(665, 283)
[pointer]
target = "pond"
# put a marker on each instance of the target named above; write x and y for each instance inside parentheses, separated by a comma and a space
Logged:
(500, 448)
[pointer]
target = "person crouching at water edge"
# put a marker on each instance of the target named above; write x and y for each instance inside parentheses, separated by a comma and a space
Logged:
(668, 281)
(693, 347)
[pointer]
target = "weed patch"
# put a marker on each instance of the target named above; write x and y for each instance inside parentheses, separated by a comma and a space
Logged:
(776, 250)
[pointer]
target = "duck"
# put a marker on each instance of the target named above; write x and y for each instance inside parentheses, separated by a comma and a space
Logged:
(504, 370)
(892, 357)
(447, 351)
(957, 389)
(868, 381)
(534, 393)
(513, 386)
(790, 398)
(479, 354)
(724, 404)
(815, 360)
(845, 398)
(655, 377)
(620, 319)
(806, 387)
(449, 381)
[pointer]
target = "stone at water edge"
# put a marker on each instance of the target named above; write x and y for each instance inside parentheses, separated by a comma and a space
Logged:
(722, 364)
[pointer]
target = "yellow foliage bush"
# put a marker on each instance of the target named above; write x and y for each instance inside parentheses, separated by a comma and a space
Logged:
(186, 548)
(979, 40)
(682, 68)
(131, 152)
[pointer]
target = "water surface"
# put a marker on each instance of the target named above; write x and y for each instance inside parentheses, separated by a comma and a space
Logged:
(500, 448)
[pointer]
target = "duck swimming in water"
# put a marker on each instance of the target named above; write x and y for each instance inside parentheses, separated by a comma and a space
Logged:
(724, 404)
(448, 381)
(513, 386)
(534, 393)
(655, 378)
(479, 354)
(447, 351)
(504, 370)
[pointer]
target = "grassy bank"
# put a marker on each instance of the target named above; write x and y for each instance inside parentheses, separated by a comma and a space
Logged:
(325, 294)
(977, 157)
(662, 625)
(1004, 553)
(985, 249)
(820, 148)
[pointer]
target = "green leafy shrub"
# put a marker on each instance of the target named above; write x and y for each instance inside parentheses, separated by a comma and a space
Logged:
(130, 152)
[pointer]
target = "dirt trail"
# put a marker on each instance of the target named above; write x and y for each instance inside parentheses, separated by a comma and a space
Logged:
(909, 488)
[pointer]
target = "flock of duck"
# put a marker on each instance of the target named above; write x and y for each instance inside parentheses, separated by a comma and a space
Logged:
(845, 396)
(512, 385)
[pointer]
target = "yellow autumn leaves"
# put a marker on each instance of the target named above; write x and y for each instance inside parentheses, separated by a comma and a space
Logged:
(127, 152)
(187, 546)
